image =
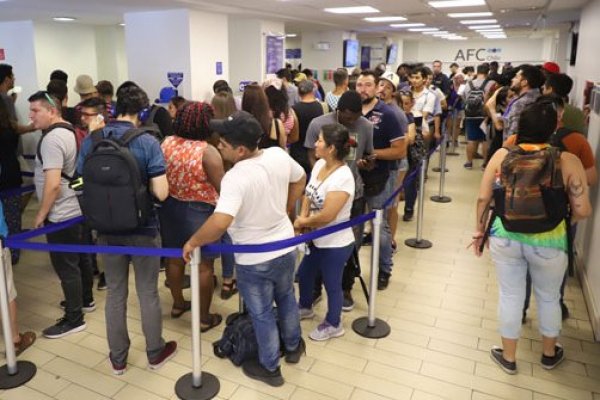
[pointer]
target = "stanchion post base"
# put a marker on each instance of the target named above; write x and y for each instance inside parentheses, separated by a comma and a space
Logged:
(380, 330)
(418, 244)
(185, 390)
(441, 199)
(453, 153)
(25, 371)
(438, 169)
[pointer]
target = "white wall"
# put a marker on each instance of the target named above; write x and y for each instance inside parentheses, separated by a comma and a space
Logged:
(587, 68)
(208, 44)
(110, 50)
(70, 47)
(157, 43)
(324, 59)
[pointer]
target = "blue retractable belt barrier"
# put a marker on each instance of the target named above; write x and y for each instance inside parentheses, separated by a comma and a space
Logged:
(46, 229)
(16, 191)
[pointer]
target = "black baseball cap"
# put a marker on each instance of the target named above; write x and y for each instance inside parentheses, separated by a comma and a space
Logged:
(239, 129)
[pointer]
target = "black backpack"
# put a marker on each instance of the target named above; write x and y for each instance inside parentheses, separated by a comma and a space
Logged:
(474, 101)
(238, 342)
(557, 138)
(115, 195)
(152, 127)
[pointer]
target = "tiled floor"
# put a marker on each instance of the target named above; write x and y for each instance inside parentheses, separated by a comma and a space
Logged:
(441, 306)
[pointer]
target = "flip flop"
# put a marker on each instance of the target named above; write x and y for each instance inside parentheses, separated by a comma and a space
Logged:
(213, 320)
(228, 289)
(26, 339)
(178, 312)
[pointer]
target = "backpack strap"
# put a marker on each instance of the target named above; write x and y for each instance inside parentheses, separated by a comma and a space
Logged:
(63, 125)
(557, 138)
(153, 111)
(130, 135)
(471, 85)
(483, 85)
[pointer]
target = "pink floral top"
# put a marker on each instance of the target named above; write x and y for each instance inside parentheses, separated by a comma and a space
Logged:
(186, 176)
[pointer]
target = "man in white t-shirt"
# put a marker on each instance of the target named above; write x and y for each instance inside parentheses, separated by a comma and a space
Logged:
(256, 195)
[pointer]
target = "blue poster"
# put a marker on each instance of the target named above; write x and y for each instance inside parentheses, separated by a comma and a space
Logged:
(219, 68)
(293, 54)
(175, 78)
(365, 57)
(274, 54)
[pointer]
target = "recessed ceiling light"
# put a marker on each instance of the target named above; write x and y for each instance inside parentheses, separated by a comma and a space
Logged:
(122, 24)
(489, 30)
(291, 34)
(352, 10)
(64, 19)
(410, 25)
(457, 38)
(456, 3)
(442, 33)
(423, 29)
(470, 15)
(384, 19)
(433, 33)
(478, 21)
(483, 27)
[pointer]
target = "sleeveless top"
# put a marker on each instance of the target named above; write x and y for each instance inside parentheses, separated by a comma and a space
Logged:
(186, 176)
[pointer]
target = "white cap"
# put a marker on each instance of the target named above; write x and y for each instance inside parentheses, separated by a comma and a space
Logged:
(392, 78)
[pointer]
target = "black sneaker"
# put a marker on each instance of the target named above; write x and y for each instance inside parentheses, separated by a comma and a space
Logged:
(86, 307)
(506, 366)
(383, 280)
(63, 328)
(408, 216)
(557, 358)
(101, 282)
(168, 352)
(348, 301)
(252, 369)
(293, 357)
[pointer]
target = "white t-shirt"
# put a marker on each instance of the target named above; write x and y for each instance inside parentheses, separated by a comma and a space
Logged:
(424, 102)
(340, 180)
(254, 192)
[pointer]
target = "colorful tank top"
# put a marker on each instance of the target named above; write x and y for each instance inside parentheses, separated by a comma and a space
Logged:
(556, 238)
(186, 176)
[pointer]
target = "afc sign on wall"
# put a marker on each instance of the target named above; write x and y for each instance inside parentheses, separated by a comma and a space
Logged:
(491, 54)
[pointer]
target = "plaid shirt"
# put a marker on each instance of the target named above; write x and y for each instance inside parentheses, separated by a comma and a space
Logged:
(514, 110)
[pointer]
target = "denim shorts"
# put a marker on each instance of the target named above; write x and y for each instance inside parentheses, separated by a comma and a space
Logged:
(179, 220)
(473, 130)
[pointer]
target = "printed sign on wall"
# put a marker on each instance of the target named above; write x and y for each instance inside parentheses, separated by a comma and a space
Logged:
(274, 54)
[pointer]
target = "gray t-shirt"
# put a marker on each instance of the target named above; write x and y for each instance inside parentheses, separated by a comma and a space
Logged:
(361, 131)
(58, 151)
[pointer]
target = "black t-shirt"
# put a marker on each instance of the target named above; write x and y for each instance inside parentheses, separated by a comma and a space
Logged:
(164, 121)
(71, 115)
(10, 175)
(305, 112)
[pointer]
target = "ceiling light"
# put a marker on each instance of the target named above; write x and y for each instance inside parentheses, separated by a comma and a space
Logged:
(411, 25)
(470, 15)
(484, 27)
(352, 10)
(478, 21)
(423, 29)
(489, 30)
(64, 19)
(436, 33)
(457, 38)
(122, 24)
(456, 3)
(384, 19)
(291, 34)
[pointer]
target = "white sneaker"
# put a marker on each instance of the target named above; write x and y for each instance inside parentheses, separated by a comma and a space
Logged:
(326, 331)
(306, 313)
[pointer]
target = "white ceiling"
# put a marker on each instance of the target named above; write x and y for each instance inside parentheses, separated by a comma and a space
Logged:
(518, 17)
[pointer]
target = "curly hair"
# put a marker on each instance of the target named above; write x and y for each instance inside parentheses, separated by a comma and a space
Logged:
(193, 119)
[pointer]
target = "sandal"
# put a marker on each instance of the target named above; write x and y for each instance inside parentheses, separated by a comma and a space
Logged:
(25, 341)
(229, 289)
(213, 320)
(178, 312)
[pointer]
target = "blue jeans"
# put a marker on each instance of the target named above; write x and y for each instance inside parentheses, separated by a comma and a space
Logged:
(385, 245)
(547, 268)
(260, 285)
(329, 262)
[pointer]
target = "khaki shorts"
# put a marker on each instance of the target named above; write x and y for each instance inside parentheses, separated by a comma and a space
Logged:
(10, 283)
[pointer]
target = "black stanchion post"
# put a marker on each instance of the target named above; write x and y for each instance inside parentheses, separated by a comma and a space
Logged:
(196, 385)
(453, 151)
(440, 198)
(369, 326)
(419, 242)
(14, 373)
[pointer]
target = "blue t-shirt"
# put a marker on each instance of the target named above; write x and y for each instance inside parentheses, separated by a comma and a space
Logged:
(3, 227)
(386, 129)
(145, 149)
